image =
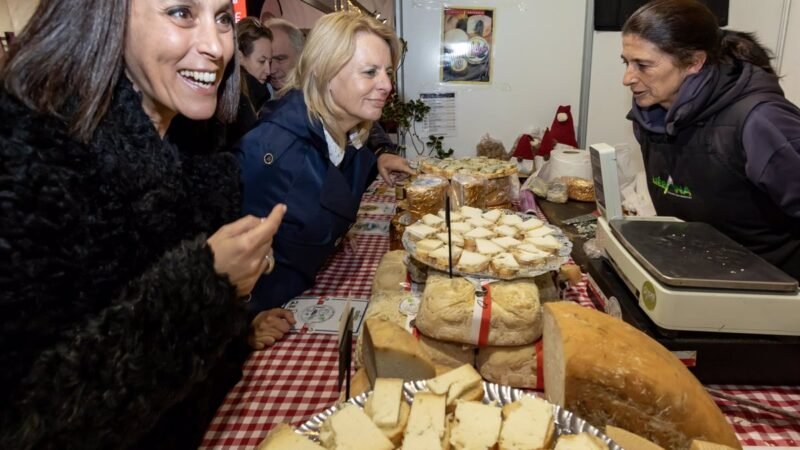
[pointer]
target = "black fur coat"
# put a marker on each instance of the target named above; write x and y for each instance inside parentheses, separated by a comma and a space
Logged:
(110, 308)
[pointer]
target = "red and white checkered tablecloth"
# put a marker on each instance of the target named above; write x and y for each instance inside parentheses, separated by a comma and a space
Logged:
(296, 378)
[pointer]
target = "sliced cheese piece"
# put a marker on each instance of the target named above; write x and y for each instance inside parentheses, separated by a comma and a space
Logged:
(460, 227)
(479, 233)
(472, 262)
(546, 243)
(580, 441)
(527, 424)
(476, 426)
(426, 246)
(455, 216)
(395, 433)
(493, 215)
(432, 221)
(539, 232)
(626, 439)
(387, 396)
(529, 254)
(469, 211)
(479, 222)
(506, 242)
(455, 237)
(392, 352)
(511, 219)
(420, 231)
(487, 247)
(441, 257)
(350, 428)
(505, 265)
(426, 423)
(530, 224)
(283, 436)
(506, 230)
(455, 383)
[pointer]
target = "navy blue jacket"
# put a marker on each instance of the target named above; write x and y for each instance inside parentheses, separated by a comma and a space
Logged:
(284, 159)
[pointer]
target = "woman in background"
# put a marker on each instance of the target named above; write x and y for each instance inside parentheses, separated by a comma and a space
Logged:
(306, 151)
(123, 268)
(721, 143)
(255, 53)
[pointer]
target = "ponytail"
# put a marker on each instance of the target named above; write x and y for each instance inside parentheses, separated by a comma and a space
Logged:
(745, 47)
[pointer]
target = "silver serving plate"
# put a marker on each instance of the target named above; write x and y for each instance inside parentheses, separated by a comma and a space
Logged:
(552, 263)
(493, 394)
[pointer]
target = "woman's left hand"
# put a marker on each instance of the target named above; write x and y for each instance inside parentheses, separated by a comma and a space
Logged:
(269, 327)
(388, 162)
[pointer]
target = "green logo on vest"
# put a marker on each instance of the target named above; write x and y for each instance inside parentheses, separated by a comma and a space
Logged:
(671, 188)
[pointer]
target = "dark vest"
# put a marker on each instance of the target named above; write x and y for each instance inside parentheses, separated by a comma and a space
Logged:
(698, 175)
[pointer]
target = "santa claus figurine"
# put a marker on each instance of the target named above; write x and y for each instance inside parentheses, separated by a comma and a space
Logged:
(562, 131)
(526, 147)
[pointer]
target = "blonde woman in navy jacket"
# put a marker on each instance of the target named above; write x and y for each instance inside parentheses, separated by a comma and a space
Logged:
(306, 152)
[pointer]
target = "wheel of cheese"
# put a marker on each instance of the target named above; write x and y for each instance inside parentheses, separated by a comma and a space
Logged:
(515, 366)
(448, 312)
(610, 373)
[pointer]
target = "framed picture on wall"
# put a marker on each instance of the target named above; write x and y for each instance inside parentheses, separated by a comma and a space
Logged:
(467, 41)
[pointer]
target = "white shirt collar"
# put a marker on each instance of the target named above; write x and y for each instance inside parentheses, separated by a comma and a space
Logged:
(335, 153)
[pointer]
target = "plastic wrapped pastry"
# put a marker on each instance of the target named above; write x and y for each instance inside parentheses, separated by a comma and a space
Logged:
(425, 194)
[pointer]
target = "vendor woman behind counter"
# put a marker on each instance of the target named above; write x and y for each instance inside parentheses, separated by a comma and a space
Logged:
(721, 144)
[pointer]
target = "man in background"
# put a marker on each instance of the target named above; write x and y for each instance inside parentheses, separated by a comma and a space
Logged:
(287, 44)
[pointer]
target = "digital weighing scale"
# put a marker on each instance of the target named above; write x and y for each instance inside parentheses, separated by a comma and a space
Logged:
(691, 287)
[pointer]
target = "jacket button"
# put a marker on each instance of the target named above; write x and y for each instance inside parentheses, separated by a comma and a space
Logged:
(268, 158)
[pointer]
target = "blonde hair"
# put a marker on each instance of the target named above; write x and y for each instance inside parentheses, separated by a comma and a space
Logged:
(330, 45)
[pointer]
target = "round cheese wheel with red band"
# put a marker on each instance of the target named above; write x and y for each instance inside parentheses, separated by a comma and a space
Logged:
(446, 355)
(608, 372)
(509, 313)
(517, 366)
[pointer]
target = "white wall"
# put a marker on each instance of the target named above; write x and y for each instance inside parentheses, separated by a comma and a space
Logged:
(537, 66)
(791, 56)
(14, 14)
(609, 100)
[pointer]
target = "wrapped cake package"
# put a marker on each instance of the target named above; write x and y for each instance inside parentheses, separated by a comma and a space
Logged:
(469, 190)
(425, 194)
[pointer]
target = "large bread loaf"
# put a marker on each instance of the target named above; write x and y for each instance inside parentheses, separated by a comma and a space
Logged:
(448, 312)
(608, 372)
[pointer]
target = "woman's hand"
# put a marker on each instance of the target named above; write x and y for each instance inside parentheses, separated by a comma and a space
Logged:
(269, 327)
(388, 162)
(241, 248)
